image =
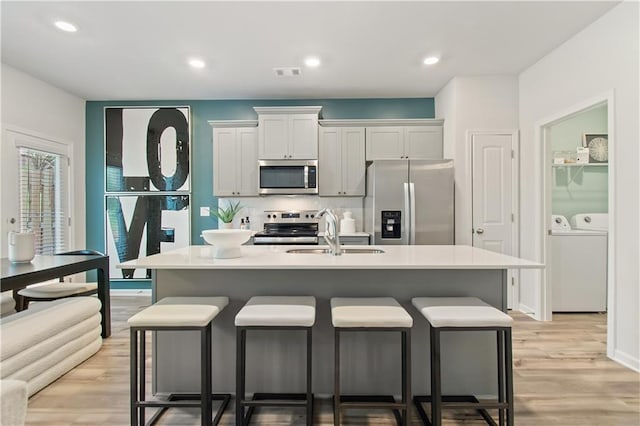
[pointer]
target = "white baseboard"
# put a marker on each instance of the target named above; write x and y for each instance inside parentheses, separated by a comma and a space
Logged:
(131, 292)
(527, 310)
(626, 360)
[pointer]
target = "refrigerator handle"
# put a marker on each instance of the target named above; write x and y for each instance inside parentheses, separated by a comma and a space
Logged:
(407, 213)
(412, 197)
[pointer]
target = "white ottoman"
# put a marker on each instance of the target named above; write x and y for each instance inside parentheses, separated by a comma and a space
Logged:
(42, 343)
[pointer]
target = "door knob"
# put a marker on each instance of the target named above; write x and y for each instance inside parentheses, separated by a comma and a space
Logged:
(480, 231)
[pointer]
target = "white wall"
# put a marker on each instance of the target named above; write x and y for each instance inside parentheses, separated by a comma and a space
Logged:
(473, 103)
(601, 58)
(37, 107)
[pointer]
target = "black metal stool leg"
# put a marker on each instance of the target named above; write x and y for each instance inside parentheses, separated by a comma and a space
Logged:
(205, 380)
(143, 374)
(436, 394)
(406, 376)
(309, 378)
(509, 374)
(336, 384)
(501, 397)
(240, 374)
(133, 385)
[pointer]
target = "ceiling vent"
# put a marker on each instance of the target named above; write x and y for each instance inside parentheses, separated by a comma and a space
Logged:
(287, 71)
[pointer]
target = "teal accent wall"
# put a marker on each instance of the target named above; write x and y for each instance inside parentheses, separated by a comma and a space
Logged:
(579, 189)
(202, 149)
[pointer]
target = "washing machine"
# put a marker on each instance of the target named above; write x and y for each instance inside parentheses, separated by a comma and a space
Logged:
(579, 263)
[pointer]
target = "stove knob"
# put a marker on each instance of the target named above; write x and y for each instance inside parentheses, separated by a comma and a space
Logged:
(306, 216)
(312, 216)
(268, 216)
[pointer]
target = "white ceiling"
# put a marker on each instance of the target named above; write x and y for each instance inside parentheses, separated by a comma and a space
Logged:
(139, 50)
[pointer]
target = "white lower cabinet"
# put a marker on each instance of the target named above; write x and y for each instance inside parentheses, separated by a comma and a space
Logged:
(341, 161)
(235, 161)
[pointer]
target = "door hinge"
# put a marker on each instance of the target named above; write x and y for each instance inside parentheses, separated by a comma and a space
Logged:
(513, 217)
(513, 154)
(513, 281)
(69, 221)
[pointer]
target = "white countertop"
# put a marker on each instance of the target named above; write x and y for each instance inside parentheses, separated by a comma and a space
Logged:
(275, 257)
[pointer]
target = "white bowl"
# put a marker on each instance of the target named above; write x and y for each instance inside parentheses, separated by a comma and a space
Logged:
(226, 242)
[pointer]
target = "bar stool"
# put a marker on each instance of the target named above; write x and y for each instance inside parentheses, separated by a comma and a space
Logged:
(262, 313)
(175, 313)
(450, 314)
(372, 314)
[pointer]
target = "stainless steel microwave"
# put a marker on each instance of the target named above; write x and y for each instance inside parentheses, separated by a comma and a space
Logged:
(288, 177)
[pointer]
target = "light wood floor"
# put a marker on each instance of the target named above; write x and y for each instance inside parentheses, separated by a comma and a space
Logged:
(562, 377)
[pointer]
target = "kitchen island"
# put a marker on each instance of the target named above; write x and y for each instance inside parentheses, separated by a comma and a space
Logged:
(275, 360)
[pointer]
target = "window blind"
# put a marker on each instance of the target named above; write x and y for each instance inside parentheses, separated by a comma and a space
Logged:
(44, 199)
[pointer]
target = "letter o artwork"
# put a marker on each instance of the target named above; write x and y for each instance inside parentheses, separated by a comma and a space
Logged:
(161, 120)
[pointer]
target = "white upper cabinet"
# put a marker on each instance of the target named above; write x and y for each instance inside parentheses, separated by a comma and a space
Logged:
(385, 143)
(341, 163)
(235, 159)
(273, 139)
(423, 142)
(287, 133)
(404, 142)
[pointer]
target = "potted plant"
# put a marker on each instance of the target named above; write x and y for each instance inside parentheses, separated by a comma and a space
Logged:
(226, 215)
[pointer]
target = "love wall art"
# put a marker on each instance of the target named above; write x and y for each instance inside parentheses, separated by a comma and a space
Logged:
(147, 183)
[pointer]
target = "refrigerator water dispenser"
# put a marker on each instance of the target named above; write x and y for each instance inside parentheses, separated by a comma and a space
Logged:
(391, 221)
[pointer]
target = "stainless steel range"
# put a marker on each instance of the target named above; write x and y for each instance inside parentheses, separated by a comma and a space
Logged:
(288, 227)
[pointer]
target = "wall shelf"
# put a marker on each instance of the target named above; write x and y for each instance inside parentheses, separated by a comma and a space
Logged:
(572, 170)
(581, 165)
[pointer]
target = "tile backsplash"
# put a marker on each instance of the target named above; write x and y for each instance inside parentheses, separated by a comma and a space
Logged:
(254, 207)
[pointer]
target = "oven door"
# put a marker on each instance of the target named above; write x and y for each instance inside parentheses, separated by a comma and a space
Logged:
(288, 177)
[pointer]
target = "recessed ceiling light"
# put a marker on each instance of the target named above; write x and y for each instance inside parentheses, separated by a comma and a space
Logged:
(312, 62)
(431, 60)
(66, 26)
(196, 63)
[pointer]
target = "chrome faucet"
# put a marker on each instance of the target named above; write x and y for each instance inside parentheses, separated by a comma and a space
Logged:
(331, 231)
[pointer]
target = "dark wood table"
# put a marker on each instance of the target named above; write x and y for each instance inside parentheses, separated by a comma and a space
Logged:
(15, 276)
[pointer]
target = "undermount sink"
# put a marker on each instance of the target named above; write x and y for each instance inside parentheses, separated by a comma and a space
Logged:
(344, 251)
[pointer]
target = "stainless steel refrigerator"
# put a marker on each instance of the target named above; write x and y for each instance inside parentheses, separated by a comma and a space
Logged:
(410, 202)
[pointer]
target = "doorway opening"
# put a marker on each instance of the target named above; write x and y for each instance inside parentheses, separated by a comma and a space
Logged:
(577, 245)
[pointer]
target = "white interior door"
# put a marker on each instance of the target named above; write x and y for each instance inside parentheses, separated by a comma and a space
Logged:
(493, 213)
